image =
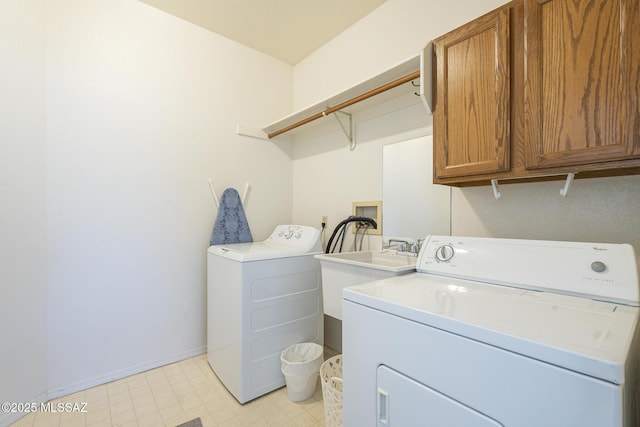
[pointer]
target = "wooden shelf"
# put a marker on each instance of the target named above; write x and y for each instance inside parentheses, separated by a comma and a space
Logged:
(392, 83)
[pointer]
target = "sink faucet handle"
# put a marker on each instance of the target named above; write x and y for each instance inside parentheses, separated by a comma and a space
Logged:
(415, 247)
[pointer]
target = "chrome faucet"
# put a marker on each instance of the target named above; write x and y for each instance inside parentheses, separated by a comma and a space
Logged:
(403, 246)
(406, 246)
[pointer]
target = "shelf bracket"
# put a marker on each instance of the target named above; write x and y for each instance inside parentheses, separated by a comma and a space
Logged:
(348, 130)
(563, 191)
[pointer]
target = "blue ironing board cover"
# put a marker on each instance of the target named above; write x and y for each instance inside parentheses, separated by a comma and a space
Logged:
(231, 224)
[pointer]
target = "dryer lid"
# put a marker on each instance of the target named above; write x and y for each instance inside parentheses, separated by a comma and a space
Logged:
(576, 333)
(571, 304)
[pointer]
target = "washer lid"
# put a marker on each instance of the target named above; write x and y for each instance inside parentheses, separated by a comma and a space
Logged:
(244, 252)
(576, 333)
(285, 241)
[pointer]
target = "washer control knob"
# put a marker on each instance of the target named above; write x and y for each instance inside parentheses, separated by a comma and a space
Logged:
(598, 266)
(444, 253)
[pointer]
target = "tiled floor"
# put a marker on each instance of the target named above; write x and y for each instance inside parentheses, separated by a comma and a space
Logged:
(176, 393)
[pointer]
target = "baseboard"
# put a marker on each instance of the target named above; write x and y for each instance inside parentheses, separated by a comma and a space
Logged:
(8, 418)
(116, 375)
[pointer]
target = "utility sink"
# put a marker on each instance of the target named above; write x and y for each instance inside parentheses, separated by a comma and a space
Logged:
(379, 260)
(344, 269)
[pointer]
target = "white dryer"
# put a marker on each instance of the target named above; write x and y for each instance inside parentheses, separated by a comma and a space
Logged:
(261, 298)
(496, 332)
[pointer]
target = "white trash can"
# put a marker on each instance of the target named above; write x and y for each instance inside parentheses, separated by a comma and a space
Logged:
(300, 365)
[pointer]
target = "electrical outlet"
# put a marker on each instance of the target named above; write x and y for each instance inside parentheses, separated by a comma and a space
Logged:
(324, 219)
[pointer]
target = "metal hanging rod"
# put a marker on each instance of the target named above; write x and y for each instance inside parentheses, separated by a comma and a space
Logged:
(347, 103)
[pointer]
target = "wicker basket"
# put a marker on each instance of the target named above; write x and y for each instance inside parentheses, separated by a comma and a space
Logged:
(331, 378)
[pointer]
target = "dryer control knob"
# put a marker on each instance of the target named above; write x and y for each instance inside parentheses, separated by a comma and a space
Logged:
(444, 253)
(598, 266)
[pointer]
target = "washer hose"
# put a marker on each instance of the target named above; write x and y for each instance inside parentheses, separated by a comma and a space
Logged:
(340, 230)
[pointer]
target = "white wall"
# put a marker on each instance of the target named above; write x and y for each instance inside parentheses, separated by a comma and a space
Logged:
(393, 32)
(595, 210)
(327, 177)
(140, 110)
(23, 237)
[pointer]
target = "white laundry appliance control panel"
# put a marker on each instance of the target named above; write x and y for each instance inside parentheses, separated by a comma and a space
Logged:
(300, 236)
(599, 271)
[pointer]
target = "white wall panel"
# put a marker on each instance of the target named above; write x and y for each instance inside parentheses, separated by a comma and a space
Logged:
(23, 239)
(142, 110)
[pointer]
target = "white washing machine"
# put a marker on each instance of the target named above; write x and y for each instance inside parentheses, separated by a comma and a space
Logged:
(496, 332)
(261, 298)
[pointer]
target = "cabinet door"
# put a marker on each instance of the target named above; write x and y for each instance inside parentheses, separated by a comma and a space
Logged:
(472, 112)
(581, 81)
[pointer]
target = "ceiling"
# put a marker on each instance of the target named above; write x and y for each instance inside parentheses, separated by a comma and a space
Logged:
(285, 29)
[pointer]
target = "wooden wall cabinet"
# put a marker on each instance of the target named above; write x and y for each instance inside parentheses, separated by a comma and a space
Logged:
(471, 119)
(564, 80)
(582, 62)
